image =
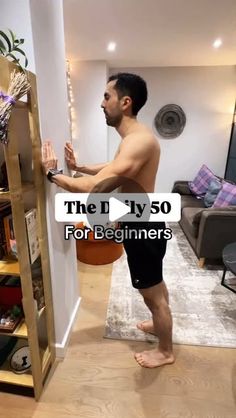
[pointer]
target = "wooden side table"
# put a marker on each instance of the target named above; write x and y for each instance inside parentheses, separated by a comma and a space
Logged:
(229, 260)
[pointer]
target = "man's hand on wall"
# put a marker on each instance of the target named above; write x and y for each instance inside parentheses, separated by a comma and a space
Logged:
(49, 159)
(70, 156)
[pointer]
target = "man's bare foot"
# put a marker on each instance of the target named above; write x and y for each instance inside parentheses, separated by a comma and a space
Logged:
(146, 326)
(153, 358)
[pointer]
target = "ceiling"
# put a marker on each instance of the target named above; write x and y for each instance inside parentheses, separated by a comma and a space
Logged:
(151, 32)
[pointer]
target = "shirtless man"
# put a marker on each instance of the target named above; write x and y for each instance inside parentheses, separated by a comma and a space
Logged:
(137, 159)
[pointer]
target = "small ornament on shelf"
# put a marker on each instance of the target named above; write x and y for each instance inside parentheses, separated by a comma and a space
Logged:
(20, 361)
(10, 318)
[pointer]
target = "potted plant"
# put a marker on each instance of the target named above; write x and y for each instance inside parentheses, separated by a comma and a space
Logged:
(10, 47)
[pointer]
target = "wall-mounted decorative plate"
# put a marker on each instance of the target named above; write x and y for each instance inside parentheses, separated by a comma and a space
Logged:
(170, 121)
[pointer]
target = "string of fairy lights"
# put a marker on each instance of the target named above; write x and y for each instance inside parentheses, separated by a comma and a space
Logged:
(71, 110)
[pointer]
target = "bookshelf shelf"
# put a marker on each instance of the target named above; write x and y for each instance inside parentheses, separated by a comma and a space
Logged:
(9, 266)
(20, 331)
(26, 187)
(27, 197)
(7, 376)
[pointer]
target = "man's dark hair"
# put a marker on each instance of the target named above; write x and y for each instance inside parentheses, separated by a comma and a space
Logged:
(131, 85)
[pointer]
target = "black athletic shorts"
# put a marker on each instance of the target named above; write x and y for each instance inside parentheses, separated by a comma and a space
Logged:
(145, 255)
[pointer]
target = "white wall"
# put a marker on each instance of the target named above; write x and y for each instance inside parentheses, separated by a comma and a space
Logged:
(41, 24)
(48, 36)
(15, 15)
(207, 95)
(88, 79)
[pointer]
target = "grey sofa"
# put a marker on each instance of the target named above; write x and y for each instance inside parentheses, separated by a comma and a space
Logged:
(208, 230)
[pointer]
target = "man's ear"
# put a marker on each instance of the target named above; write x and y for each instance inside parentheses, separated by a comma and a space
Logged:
(126, 102)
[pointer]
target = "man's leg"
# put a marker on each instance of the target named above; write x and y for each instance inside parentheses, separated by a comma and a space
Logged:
(156, 300)
(147, 325)
(166, 293)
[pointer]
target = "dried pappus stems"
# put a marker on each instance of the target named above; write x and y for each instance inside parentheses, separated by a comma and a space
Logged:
(18, 87)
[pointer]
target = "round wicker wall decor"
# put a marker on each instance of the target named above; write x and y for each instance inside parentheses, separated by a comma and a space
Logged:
(170, 121)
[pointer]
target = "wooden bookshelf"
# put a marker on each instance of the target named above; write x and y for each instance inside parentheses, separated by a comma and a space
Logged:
(20, 193)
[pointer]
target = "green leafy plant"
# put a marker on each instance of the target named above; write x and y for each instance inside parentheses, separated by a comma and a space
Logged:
(9, 45)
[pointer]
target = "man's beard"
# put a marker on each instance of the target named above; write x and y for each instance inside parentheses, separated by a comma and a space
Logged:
(113, 121)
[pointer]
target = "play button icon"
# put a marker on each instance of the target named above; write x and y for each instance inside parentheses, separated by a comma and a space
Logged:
(112, 199)
(117, 209)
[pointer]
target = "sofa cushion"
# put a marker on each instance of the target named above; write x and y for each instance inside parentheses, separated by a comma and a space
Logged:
(213, 190)
(191, 201)
(190, 221)
(201, 182)
(226, 196)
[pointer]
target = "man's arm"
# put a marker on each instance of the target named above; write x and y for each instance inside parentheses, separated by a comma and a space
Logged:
(91, 169)
(132, 156)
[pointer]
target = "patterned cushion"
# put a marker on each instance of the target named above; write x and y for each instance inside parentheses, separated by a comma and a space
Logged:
(226, 196)
(213, 190)
(201, 182)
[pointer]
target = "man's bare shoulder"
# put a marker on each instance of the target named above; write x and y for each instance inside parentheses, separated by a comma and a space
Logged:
(141, 137)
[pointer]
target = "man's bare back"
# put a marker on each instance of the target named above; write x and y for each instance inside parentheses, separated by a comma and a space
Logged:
(143, 139)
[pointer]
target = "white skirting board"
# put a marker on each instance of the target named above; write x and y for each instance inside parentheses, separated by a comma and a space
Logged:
(62, 347)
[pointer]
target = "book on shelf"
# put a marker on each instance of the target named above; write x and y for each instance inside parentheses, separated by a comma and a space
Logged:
(10, 235)
(32, 235)
(5, 210)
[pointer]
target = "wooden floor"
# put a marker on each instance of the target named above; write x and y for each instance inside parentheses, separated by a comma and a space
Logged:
(100, 379)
